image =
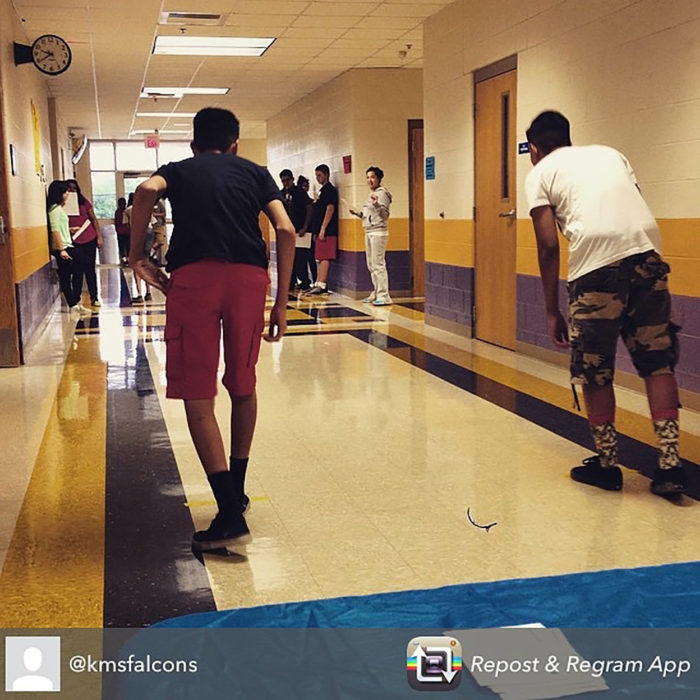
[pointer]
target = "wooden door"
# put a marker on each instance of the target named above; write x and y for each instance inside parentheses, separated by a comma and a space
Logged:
(9, 325)
(495, 216)
(416, 206)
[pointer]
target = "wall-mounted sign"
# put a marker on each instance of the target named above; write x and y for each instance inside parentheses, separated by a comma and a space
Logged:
(430, 167)
(347, 164)
(151, 140)
(523, 147)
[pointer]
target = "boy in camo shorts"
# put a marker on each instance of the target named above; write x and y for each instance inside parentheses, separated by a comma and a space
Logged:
(617, 285)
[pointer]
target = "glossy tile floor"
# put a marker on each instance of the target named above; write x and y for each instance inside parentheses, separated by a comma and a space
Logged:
(375, 435)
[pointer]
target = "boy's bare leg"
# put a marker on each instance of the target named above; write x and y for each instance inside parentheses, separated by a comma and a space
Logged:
(662, 392)
(206, 435)
(600, 407)
(323, 268)
(244, 413)
(599, 400)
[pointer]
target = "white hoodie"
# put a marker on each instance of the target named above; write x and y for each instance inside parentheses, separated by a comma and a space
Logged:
(375, 211)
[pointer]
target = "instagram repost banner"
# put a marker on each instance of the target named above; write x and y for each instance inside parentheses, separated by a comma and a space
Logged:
(212, 663)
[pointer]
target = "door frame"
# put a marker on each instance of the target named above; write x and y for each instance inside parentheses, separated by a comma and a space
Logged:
(417, 285)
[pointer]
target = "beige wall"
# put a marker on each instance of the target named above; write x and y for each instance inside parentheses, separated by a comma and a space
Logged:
(253, 149)
(317, 129)
(363, 113)
(22, 85)
(625, 73)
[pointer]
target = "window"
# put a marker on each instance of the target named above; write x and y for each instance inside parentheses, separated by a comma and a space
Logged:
(133, 156)
(102, 155)
(104, 194)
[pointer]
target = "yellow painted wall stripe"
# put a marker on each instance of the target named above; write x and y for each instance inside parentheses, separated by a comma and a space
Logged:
(680, 241)
(450, 241)
(54, 570)
(31, 250)
(351, 237)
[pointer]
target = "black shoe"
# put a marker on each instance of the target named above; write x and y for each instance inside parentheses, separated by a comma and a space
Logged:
(668, 482)
(593, 474)
(223, 531)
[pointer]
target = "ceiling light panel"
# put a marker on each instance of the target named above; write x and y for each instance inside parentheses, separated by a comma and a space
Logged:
(166, 115)
(165, 92)
(211, 45)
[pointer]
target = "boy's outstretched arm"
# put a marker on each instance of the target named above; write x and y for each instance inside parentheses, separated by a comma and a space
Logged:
(146, 195)
(548, 257)
(284, 235)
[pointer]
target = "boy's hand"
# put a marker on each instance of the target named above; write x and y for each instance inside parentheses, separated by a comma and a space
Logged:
(278, 323)
(558, 329)
(152, 274)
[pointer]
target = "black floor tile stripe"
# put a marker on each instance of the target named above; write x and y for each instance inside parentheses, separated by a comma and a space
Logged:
(572, 427)
(150, 571)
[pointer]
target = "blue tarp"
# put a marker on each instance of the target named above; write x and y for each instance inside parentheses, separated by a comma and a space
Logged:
(656, 596)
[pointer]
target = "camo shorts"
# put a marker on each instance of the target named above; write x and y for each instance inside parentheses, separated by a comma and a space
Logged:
(628, 299)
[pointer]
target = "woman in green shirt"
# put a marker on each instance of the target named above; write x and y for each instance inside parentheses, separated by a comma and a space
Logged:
(69, 274)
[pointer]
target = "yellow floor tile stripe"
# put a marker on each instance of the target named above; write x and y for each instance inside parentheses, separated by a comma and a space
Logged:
(54, 571)
(627, 422)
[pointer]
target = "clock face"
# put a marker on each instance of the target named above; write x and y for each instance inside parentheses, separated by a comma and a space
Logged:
(51, 54)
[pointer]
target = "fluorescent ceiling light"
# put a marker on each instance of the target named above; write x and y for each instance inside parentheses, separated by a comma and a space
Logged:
(211, 45)
(138, 132)
(180, 91)
(167, 115)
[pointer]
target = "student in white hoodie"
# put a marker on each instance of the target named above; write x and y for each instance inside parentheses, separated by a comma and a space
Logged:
(375, 216)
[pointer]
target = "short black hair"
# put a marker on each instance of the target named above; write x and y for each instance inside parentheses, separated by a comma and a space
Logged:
(286, 173)
(301, 180)
(323, 168)
(215, 129)
(377, 171)
(548, 131)
(55, 194)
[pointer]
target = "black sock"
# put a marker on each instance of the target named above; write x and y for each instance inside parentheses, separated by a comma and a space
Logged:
(225, 492)
(238, 469)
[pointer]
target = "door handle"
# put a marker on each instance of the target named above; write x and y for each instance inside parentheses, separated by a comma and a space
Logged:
(507, 214)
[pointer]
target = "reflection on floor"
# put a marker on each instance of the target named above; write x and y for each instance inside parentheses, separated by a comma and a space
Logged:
(376, 433)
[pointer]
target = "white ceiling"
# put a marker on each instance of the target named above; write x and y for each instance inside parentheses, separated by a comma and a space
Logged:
(112, 40)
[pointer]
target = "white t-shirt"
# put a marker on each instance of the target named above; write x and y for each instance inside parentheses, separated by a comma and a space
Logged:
(597, 205)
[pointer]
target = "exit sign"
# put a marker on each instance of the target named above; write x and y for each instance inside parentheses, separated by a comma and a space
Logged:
(151, 141)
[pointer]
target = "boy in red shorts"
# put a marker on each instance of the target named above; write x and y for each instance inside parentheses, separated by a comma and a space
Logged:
(324, 226)
(618, 286)
(218, 264)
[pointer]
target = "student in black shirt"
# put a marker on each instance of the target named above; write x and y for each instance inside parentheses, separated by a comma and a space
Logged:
(324, 225)
(298, 206)
(218, 265)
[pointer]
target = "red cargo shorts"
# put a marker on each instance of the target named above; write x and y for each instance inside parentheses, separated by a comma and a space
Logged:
(204, 298)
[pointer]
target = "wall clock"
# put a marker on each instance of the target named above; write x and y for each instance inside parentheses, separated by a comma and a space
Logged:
(49, 53)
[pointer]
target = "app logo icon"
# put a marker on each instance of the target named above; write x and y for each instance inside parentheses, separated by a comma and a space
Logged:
(434, 663)
(32, 664)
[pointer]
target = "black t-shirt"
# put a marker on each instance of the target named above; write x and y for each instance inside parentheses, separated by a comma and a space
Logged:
(328, 195)
(216, 199)
(295, 202)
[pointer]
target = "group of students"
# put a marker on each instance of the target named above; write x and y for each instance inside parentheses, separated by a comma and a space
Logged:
(316, 229)
(218, 284)
(156, 239)
(74, 240)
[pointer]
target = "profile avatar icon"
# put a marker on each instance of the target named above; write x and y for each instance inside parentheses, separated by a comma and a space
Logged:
(33, 660)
